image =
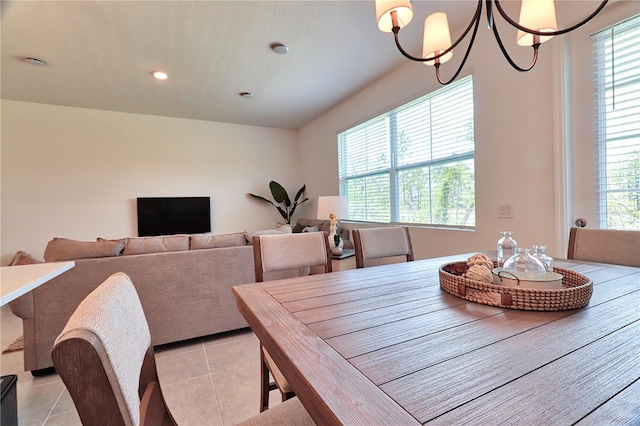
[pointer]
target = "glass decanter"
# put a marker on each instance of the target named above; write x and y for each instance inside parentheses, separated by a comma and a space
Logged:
(540, 253)
(506, 247)
(523, 261)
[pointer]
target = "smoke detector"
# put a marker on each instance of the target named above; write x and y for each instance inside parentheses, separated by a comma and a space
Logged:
(280, 48)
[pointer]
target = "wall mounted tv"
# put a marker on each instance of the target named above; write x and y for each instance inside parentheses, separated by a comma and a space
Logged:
(173, 215)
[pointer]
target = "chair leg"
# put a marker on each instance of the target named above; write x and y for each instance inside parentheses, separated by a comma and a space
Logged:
(264, 383)
(267, 385)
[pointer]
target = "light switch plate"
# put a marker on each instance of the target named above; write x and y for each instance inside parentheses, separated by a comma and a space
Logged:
(505, 211)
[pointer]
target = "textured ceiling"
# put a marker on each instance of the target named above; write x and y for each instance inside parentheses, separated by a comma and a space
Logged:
(100, 55)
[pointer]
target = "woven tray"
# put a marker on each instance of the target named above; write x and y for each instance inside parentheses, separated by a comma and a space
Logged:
(575, 293)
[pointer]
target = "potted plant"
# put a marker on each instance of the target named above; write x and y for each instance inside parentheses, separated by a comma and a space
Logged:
(282, 200)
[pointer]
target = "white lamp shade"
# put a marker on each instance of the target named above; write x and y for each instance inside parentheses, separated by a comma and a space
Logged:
(539, 15)
(336, 204)
(437, 37)
(383, 13)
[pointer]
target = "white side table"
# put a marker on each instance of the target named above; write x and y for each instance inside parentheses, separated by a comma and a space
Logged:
(347, 260)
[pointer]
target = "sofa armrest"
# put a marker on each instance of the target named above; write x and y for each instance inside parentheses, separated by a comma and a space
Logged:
(23, 306)
(347, 244)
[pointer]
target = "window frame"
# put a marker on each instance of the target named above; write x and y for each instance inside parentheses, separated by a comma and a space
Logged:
(604, 144)
(395, 167)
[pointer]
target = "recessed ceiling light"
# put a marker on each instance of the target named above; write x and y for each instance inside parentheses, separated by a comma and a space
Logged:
(160, 75)
(34, 61)
(246, 94)
(280, 48)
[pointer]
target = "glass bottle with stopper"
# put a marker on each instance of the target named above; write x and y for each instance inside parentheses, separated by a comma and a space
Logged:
(506, 247)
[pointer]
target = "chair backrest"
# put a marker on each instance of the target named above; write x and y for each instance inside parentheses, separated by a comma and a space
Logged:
(105, 358)
(290, 251)
(605, 246)
(376, 243)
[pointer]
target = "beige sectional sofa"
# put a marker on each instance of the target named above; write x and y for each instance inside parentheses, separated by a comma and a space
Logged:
(184, 283)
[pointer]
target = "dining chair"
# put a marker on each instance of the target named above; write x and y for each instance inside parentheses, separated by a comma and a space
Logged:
(277, 253)
(604, 246)
(378, 243)
(106, 361)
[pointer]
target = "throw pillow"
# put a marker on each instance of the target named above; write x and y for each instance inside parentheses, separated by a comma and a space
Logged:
(205, 241)
(124, 240)
(322, 224)
(285, 229)
(23, 258)
(65, 249)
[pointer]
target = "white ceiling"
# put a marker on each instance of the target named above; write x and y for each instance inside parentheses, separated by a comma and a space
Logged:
(100, 55)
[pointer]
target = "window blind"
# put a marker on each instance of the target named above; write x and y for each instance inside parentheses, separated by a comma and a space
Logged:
(616, 52)
(415, 163)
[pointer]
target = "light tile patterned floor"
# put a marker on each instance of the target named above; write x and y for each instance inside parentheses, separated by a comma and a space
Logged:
(208, 381)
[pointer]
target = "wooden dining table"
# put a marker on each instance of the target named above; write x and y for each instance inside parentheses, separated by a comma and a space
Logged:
(386, 345)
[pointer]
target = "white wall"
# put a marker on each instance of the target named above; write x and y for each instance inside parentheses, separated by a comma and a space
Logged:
(514, 137)
(73, 172)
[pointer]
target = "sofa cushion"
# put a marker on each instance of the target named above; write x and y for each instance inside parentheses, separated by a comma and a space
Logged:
(205, 241)
(248, 235)
(159, 244)
(65, 249)
(23, 258)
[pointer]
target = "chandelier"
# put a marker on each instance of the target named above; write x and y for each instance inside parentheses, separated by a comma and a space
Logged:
(537, 24)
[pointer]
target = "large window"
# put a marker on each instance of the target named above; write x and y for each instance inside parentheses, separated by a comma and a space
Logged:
(617, 61)
(414, 164)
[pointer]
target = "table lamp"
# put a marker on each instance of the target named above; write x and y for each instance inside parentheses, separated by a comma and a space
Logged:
(336, 204)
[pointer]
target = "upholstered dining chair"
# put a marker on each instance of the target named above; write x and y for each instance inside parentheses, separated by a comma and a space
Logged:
(105, 359)
(278, 253)
(605, 246)
(377, 243)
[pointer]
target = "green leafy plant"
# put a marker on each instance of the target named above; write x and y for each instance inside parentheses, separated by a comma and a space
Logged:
(286, 208)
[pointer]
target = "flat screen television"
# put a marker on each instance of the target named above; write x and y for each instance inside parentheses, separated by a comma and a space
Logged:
(173, 215)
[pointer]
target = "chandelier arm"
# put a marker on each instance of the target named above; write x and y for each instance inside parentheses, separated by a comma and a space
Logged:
(549, 33)
(508, 58)
(464, 59)
(489, 14)
(474, 20)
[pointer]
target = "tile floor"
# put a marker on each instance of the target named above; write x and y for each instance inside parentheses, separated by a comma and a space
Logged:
(208, 381)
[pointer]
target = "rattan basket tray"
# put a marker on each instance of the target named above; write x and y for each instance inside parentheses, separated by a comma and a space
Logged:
(575, 293)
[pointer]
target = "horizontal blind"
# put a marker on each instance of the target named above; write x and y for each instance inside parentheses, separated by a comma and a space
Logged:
(413, 164)
(616, 52)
